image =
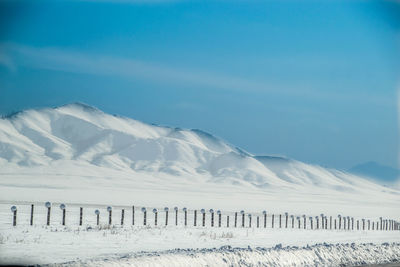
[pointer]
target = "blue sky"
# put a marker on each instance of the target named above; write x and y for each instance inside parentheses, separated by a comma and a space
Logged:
(316, 81)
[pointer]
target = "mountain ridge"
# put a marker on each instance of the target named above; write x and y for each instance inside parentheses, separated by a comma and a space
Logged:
(81, 133)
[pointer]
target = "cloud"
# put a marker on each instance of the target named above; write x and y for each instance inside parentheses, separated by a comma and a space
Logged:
(49, 58)
(69, 61)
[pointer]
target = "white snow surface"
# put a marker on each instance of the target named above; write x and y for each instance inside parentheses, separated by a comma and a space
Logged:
(81, 156)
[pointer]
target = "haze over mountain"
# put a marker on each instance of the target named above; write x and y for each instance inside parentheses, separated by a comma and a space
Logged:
(380, 173)
(76, 147)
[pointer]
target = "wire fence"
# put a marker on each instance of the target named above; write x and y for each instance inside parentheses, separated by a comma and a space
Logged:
(60, 214)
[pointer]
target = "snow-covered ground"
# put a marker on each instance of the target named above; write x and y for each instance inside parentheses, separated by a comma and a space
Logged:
(80, 156)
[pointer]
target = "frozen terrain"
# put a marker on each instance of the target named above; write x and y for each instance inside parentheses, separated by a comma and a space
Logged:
(78, 155)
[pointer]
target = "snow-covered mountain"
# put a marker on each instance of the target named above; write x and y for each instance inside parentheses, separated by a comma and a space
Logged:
(80, 133)
(82, 147)
(377, 172)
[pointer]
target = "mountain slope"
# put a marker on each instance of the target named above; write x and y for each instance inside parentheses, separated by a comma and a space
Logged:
(80, 133)
(78, 153)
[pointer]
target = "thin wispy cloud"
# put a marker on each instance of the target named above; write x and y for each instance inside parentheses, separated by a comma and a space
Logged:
(56, 59)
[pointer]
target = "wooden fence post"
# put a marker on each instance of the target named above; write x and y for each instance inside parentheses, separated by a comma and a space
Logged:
(330, 222)
(280, 220)
(317, 220)
(235, 219)
(185, 211)
(265, 218)
(62, 207)
(286, 220)
(340, 221)
(109, 209)
(380, 218)
(298, 219)
(176, 216)
(122, 216)
(304, 218)
(166, 215)
(32, 207)
(144, 215)
(219, 218)
(335, 224)
(195, 217)
(97, 212)
(155, 216)
(212, 217)
(358, 224)
(249, 220)
(311, 222)
(344, 223)
(203, 220)
(242, 212)
(48, 206)
(322, 221)
(258, 221)
(227, 221)
(292, 217)
(80, 215)
(133, 215)
(14, 211)
(273, 220)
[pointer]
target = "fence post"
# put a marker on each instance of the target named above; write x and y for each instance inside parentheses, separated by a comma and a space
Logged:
(227, 221)
(311, 222)
(109, 209)
(144, 215)
(330, 222)
(273, 220)
(235, 219)
(32, 207)
(185, 211)
(322, 221)
(176, 216)
(298, 219)
(48, 206)
(166, 215)
(212, 217)
(344, 223)
(219, 218)
(340, 221)
(97, 212)
(62, 207)
(14, 211)
(195, 217)
(242, 212)
(122, 216)
(380, 222)
(304, 217)
(203, 212)
(249, 220)
(317, 219)
(80, 215)
(133, 215)
(348, 222)
(369, 224)
(265, 218)
(373, 225)
(258, 221)
(335, 224)
(280, 220)
(363, 221)
(352, 223)
(358, 224)
(292, 217)
(155, 216)
(286, 219)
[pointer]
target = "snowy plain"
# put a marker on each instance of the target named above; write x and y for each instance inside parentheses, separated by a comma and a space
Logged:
(80, 156)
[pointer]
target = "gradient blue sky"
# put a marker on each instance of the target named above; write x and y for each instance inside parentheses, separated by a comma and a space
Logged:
(315, 81)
